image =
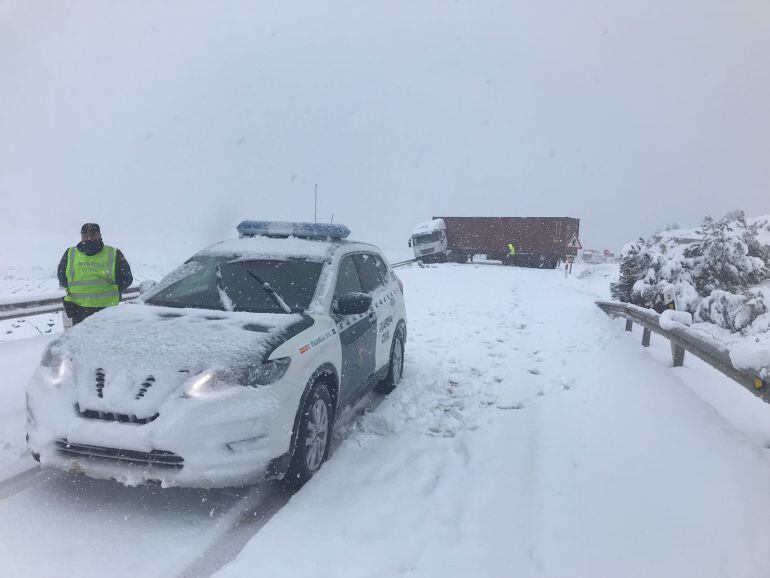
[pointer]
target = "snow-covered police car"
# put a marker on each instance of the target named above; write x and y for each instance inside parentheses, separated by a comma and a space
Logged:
(235, 366)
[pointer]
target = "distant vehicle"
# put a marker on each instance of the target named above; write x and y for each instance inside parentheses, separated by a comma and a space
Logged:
(524, 241)
(234, 367)
(592, 257)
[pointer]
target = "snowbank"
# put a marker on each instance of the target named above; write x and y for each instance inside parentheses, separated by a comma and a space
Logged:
(753, 354)
(670, 319)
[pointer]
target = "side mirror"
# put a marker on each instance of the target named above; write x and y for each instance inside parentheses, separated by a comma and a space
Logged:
(353, 304)
(410, 242)
(145, 286)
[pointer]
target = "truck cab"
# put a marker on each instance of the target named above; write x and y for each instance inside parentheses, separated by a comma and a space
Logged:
(429, 241)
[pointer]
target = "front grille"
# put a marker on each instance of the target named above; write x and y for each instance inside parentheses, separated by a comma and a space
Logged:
(158, 458)
(100, 382)
(112, 416)
(101, 378)
(428, 251)
(145, 386)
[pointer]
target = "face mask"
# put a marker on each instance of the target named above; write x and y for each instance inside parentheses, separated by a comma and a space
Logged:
(92, 247)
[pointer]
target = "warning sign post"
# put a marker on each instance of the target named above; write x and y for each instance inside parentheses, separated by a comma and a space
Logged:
(574, 243)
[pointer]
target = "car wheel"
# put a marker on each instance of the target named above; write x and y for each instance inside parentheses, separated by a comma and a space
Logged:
(314, 436)
(396, 364)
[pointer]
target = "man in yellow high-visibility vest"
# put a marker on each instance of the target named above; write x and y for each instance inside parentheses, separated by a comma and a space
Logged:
(93, 274)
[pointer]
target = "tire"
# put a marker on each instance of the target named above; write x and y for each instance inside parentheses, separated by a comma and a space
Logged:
(395, 364)
(314, 436)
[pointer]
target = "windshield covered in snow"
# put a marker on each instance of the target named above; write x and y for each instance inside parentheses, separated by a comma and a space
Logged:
(429, 238)
(228, 284)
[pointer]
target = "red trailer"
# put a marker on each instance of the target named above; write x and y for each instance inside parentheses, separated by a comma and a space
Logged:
(525, 241)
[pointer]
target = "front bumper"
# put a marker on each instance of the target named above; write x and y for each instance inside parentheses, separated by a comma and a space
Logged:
(234, 438)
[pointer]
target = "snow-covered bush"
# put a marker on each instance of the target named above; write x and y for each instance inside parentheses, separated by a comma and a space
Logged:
(728, 258)
(634, 263)
(711, 271)
(733, 312)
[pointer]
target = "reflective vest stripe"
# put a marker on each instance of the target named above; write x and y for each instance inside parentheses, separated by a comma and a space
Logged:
(111, 264)
(101, 295)
(87, 283)
(71, 265)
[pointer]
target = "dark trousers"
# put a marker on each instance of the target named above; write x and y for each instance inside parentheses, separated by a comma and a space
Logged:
(77, 313)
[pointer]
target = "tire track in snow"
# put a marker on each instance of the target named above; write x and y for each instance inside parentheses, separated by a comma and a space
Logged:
(21, 481)
(221, 543)
(234, 529)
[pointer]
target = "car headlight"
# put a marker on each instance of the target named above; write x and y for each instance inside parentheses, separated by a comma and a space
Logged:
(250, 376)
(51, 358)
(59, 367)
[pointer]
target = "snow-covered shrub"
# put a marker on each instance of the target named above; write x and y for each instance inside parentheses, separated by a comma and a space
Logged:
(710, 270)
(634, 263)
(758, 241)
(733, 312)
(722, 260)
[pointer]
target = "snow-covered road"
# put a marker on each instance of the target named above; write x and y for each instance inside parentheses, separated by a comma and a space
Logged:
(531, 436)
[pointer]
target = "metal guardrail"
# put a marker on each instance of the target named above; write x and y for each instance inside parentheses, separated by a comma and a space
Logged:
(17, 309)
(685, 339)
(402, 263)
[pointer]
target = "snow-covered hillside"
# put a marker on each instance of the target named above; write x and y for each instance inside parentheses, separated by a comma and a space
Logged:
(530, 437)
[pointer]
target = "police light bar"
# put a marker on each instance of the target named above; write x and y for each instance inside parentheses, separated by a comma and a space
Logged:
(285, 229)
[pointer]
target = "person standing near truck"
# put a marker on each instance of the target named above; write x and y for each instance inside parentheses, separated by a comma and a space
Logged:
(93, 275)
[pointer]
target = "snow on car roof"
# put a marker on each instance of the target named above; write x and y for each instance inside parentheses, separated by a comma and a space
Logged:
(274, 248)
(282, 247)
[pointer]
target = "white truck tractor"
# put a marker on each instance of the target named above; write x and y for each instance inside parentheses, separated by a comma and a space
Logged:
(429, 241)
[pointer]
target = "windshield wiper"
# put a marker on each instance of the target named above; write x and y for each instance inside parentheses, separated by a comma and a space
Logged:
(224, 298)
(270, 291)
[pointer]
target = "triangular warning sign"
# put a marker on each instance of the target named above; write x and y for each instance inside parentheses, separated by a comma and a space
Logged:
(574, 243)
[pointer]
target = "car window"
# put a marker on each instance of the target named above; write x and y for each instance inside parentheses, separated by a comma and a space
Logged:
(372, 270)
(382, 269)
(347, 278)
(233, 284)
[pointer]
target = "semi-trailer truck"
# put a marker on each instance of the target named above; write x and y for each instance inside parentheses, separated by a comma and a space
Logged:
(525, 241)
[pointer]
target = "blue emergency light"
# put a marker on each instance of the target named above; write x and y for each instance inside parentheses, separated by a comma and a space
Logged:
(286, 229)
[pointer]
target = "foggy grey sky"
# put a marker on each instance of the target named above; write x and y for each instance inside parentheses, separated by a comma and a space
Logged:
(192, 116)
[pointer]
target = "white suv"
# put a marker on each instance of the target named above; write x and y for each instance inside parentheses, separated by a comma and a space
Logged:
(235, 366)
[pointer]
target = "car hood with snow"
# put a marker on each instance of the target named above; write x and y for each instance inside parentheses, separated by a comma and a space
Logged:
(129, 359)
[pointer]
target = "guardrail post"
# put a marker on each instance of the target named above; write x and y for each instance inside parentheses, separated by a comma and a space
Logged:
(629, 324)
(677, 353)
(646, 337)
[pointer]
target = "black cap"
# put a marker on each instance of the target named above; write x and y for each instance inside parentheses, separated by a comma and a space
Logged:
(90, 228)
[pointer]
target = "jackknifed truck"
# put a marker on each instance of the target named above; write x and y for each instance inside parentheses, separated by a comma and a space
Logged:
(541, 242)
